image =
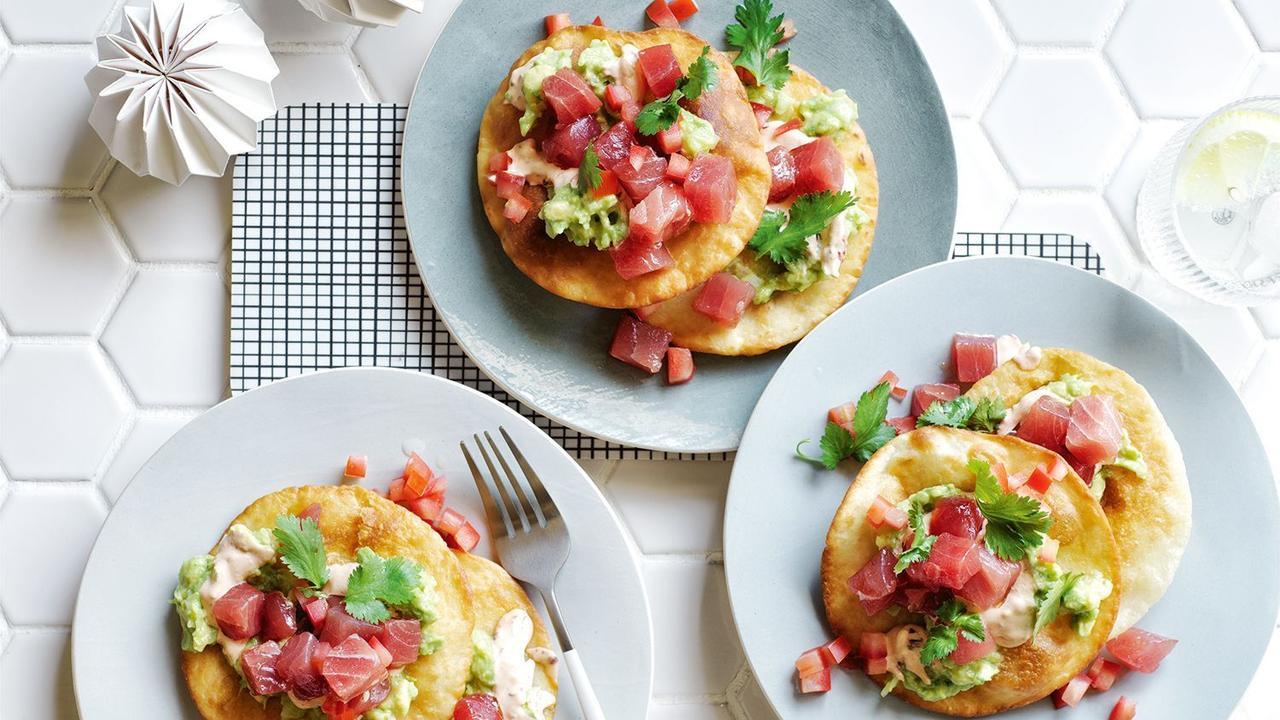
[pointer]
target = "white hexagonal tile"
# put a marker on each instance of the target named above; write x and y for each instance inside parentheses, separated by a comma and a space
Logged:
(45, 140)
(145, 437)
(161, 222)
(966, 47)
(62, 409)
(310, 78)
(1059, 121)
(1228, 334)
(1046, 22)
(1084, 215)
(283, 21)
(39, 578)
(59, 266)
(672, 506)
(392, 57)
(1263, 18)
(66, 21)
(1180, 58)
(986, 191)
(1122, 189)
(169, 338)
(35, 672)
(696, 650)
(687, 711)
(1267, 81)
(1268, 317)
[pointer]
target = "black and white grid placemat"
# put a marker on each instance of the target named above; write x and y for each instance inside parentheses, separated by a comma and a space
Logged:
(322, 274)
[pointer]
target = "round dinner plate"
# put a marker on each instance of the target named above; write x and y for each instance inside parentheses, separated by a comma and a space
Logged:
(551, 353)
(299, 432)
(1222, 604)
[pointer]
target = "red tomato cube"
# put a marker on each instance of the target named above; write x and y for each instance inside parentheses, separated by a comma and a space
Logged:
(1049, 550)
(842, 414)
(677, 167)
(679, 365)
(683, 9)
(873, 645)
(1141, 650)
(810, 662)
(556, 22)
(598, 22)
(516, 208)
(818, 682)
(499, 161)
(671, 140)
(1039, 481)
(1069, 695)
(608, 184)
(615, 96)
(427, 508)
(1125, 709)
(509, 185)
(661, 15)
(901, 425)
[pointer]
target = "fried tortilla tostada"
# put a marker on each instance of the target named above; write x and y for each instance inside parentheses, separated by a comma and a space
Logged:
(968, 599)
(1120, 443)
(788, 299)
(586, 192)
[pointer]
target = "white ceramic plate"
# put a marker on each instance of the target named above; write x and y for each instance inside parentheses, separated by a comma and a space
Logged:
(1222, 604)
(297, 432)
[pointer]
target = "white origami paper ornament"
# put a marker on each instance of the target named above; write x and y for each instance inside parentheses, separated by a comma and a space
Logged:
(366, 13)
(181, 87)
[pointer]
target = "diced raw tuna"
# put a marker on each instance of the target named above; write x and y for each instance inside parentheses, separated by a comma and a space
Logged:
(783, 167)
(259, 666)
(614, 145)
(660, 216)
(239, 611)
(335, 709)
(660, 69)
(921, 599)
(339, 625)
(480, 706)
(967, 650)
(875, 582)
(568, 143)
(711, 188)
(640, 344)
(569, 96)
(635, 257)
(724, 298)
(1139, 649)
(1045, 423)
(402, 638)
(957, 515)
(679, 365)
(1084, 470)
(678, 167)
(1093, 429)
(991, 583)
(950, 564)
(351, 667)
(279, 620)
(819, 166)
(298, 670)
(922, 396)
(641, 172)
(974, 356)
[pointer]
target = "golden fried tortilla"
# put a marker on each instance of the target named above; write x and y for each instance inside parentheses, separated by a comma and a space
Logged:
(788, 316)
(1151, 517)
(935, 456)
(350, 518)
(588, 275)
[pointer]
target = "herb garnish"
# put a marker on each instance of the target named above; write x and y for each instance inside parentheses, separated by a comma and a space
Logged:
(755, 35)
(378, 582)
(870, 431)
(783, 236)
(700, 77)
(302, 549)
(962, 412)
(1016, 524)
(589, 170)
(921, 541)
(1050, 604)
(944, 632)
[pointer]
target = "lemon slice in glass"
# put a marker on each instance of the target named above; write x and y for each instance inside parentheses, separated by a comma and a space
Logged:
(1233, 159)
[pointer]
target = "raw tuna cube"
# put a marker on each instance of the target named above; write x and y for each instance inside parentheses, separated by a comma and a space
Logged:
(1045, 424)
(660, 69)
(875, 583)
(950, 564)
(660, 216)
(974, 356)
(614, 145)
(1093, 429)
(568, 143)
(635, 257)
(819, 166)
(296, 667)
(339, 625)
(239, 611)
(352, 667)
(956, 515)
(259, 666)
(569, 96)
(783, 168)
(641, 172)
(279, 621)
(711, 188)
(967, 650)
(640, 344)
(724, 298)
(1141, 650)
(480, 706)
(991, 583)
(922, 396)
(679, 365)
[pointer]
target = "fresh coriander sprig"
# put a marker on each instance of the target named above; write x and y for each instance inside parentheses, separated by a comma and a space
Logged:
(377, 583)
(962, 412)
(783, 236)
(921, 541)
(754, 35)
(700, 77)
(659, 114)
(944, 633)
(1049, 604)
(589, 170)
(987, 416)
(302, 549)
(1016, 524)
(870, 431)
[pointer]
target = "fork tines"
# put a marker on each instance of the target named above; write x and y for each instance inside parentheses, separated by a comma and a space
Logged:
(516, 513)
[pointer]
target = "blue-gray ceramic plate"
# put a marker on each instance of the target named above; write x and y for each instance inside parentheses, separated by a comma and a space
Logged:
(551, 353)
(1222, 603)
(298, 432)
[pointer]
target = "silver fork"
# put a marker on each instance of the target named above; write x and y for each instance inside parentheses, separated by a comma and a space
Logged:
(532, 543)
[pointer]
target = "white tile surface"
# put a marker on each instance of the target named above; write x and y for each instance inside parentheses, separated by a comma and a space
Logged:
(1263, 18)
(687, 711)
(289, 22)
(1122, 190)
(392, 57)
(1267, 81)
(312, 78)
(45, 140)
(1268, 317)
(164, 223)
(1051, 22)
(35, 676)
(966, 47)
(59, 266)
(61, 411)
(986, 190)
(1086, 216)
(1059, 121)
(696, 649)
(38, 578)
(65, 21)
(671, 507)
(144, 438)
(169, 337)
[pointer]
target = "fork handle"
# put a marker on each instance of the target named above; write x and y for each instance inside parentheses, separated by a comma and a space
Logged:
(582, 686)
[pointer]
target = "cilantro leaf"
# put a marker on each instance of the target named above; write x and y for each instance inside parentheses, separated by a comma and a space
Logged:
(921, 542)
(987, 415)
(1050, 604)
(589, 170)
(302, 548)
(701, 76)
(377, 583)
(754, 35)
(659, 114)
(944, 632)
(948, 413)
(1015, 523)
(870, 431)
(783, 237)
(836, 444)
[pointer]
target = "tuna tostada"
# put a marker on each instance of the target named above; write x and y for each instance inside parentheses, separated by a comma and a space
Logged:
(620, 169)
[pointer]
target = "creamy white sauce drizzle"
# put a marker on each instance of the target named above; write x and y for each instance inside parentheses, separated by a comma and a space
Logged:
(515, 88)
(1024, 355)
(239, 556)
(1014, 415)
(1010, 623)
(624, 71)
(513, 671)
(339, 574)
(526, 161)
(836, 236)
(543, 656)
(903, 645)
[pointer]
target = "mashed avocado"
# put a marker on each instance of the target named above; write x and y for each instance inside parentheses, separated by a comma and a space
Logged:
(542, 66)
(697, 135)
(1069, 387)
(1084, 597)
(949, 679)
(1098, 485)
(198, 630)
(289, 711)
(584, 220)
(828, 113)
(482, 679)
(1130, 458)
(925, 499)
(769, 277)
(592, 62)
(423, 607)
(396, 706)
(784, 104)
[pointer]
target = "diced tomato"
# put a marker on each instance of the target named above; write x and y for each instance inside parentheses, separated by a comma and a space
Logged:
(818, 682)
(890, 377)
(569, 96)
(1124, 709)
(316, 609)
(598, 22)
(608, 184)
(664, 213)
(661, 16)
(1048, 551)
(834, 652)
(509, 186)
(556, 22)
(614, 145)
(636, 257)
(1140, 650)
(842, 414)
(683, 9)
(419, 479)
(499, 161)
(724, 298)
(449, 522)
(973, 356)
(883, 513)
(873, 645)
(788, 27)
(615, 96)
(427, 508)
(629, 112)
(677, 167)
(898, 392)
(922, 396)
(1039, 481)
(877, 666)
(1058, 468)
(567, 144)
(480, 706)
(384, 655)
(357, 465)
(1069, 695)
(679, 365)
(901, 425)
(1104, 674)
(810, 662)
(788, 126)
(641, 172)
(671, 139)
(466, 538)
(658, 64)
(395, 493)
(762, 113)
(640, 344)
(516, 208)
(711, 188)
(312, 513)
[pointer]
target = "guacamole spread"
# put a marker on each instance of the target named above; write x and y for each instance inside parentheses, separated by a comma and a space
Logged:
(482, 667)
(947, 679)
(828, 114)
(198, 630)
(396, 706)
(584, 220)
(697, 135)
(592, 64)
(525, 91)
